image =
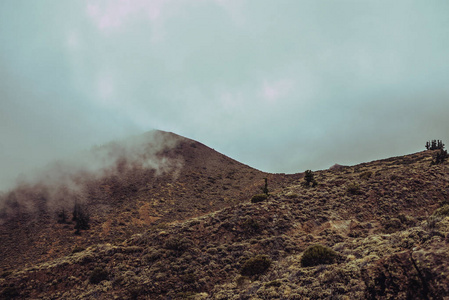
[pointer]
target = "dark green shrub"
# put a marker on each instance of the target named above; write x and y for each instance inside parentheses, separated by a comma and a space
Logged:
(259, 198)
(353, 189)
(442, 211)
(98, 275)
(318, 255)
(255, 266)
(309, 178)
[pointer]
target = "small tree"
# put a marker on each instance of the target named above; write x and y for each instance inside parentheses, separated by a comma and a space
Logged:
(440, 157)
(434, 145)
(81, 218)
(265, 188)
(309, 178)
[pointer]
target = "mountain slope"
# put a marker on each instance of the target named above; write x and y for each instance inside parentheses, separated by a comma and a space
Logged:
(379, 218)
(153, 179)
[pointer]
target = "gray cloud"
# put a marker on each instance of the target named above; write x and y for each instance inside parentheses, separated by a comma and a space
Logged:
(282, 86)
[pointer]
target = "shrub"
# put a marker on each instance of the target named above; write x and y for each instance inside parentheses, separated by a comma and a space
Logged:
(259, 198)
(81, 218)
(318, 255)
(309, 178)
(255, 266)
(442, 211)
(98, 275)
(353, 189)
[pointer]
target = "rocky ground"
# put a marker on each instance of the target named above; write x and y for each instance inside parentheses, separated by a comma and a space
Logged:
(386, 223)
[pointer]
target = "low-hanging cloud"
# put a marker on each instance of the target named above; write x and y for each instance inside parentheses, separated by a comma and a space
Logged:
(64, 182)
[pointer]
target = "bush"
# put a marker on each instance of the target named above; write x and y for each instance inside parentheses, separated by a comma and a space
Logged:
(309, 178)
(98, 275)
(259, 198)
(353, 189)
(256, 265)
(81, 218)
(318, 255)
(442, 211)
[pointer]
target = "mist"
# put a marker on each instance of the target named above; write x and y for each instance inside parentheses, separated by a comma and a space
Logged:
(282, 86)
(62, 183)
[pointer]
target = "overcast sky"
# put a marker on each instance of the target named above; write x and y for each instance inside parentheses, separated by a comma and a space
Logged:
(280, 85)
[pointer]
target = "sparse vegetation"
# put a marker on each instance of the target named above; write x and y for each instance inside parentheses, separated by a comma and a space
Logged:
(161, 243)
(259, 198)
(256, 265)
(434, 145)
(318, 255)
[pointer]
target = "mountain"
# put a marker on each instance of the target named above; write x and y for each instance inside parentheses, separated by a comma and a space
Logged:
(127, 187)
(377, 230)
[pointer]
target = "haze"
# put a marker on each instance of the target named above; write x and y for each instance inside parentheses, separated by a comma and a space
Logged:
(282, 86)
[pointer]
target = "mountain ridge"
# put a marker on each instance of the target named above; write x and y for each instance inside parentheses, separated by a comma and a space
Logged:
(385, 220)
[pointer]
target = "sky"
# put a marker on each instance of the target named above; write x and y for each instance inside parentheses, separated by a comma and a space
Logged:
(282, 86)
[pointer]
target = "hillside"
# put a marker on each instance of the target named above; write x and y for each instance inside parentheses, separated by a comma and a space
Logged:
(153, 179)
(194, 233)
